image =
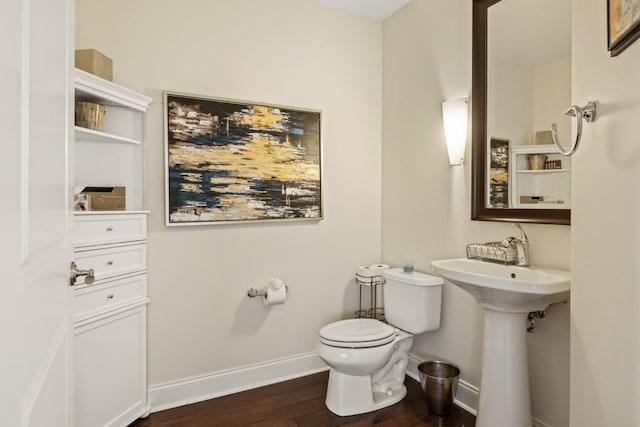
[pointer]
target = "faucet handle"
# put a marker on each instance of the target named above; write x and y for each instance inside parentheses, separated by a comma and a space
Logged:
(509, 242)
(523, 236)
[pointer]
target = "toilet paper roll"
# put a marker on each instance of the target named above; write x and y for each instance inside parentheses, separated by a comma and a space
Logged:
(371, 270)
(379, 268)
(275, 283)
(276, 292)
(275, 296)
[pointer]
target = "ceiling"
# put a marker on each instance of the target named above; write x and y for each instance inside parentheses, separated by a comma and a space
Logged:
(377, 9)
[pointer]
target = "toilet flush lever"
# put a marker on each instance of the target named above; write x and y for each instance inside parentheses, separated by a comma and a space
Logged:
(89, 276)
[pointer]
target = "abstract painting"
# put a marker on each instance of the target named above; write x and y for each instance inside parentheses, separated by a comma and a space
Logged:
(499, 173)
(623, 24)
(234, 161)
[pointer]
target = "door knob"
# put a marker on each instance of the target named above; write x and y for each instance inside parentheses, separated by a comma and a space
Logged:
(89, 276)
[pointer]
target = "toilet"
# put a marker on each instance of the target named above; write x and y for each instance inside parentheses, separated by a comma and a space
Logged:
(368, 358)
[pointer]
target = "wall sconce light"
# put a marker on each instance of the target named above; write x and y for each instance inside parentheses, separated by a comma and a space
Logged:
(455, 115)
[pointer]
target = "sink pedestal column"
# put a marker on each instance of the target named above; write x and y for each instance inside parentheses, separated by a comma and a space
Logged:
(504, 389)
(508, 293)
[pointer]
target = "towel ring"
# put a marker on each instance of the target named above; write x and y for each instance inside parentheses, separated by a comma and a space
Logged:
(588, 113)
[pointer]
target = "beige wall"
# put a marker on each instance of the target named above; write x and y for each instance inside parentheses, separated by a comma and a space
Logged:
(426, 202)
(525, 100)
(605, 301)
(552, 96)
(511, 91)
(289, 52)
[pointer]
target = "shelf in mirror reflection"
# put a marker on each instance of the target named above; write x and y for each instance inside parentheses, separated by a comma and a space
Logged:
(542, 171)
(542, 206)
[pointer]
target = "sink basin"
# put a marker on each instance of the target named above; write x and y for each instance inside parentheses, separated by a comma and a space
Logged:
(507, 293)
(506, 287)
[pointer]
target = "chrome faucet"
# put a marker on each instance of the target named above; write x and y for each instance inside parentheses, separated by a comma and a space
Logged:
(522, 246)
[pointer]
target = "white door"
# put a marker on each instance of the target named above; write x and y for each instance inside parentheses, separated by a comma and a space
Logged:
(35, 122)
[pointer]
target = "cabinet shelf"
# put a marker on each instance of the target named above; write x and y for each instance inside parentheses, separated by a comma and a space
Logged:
(543, 171)
(84, 134)
(114, 154)
(543, 206)
(89, 213)
(91, 88)
(546, 184)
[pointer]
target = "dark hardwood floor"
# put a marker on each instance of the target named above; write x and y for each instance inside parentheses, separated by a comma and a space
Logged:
(300, 402)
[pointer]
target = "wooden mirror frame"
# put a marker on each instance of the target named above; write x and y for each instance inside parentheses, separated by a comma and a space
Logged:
(479, 209)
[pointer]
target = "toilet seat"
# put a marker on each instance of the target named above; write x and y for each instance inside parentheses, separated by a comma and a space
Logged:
(357, 333)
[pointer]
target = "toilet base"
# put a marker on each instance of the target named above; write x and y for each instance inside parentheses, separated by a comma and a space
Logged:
(360, 398)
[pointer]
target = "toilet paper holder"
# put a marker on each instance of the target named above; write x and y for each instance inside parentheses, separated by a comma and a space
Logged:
(275, 293)
(255, 292)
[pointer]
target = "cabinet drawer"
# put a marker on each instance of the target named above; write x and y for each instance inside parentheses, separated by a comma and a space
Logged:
(113, 261)
(90, 230)
(93, 300)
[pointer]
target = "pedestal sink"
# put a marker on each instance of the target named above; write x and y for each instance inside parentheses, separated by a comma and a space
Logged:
(507, 293)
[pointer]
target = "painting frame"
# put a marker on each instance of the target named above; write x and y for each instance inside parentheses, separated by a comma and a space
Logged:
(499, 180)
(623, 24)
(230, 161)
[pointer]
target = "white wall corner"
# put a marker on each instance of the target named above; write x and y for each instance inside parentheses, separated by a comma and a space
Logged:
(197, 389)
(538, 423)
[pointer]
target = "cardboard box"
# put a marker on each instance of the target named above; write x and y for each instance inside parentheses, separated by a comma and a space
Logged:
(94, 62)
(105, 198)
(531, 199)
(543, 137)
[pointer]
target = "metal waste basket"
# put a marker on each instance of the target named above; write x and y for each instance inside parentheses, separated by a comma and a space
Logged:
(439, 382)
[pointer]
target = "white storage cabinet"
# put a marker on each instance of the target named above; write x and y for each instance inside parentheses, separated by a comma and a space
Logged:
(110, 315)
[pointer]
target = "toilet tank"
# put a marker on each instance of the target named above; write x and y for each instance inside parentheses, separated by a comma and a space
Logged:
(412, 301)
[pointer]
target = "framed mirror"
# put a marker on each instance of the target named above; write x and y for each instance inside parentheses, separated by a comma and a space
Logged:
(521, 83)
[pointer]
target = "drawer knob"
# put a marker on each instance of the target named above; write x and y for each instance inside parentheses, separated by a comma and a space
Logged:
(109, 228)
(110, 296)
(109, 262)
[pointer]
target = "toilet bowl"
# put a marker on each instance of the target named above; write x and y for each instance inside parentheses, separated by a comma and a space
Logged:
(368, 358)
(355, 361)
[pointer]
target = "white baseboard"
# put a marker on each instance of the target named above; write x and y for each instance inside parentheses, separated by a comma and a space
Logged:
(197, 389)
(467, 395)
(538, 423)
